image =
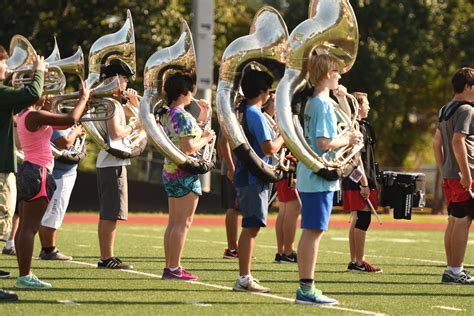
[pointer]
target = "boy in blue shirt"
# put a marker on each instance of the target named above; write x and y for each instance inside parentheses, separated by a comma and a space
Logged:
(320, 129)
(253, 193)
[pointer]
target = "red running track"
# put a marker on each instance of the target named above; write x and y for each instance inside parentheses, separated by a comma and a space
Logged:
(220, 221)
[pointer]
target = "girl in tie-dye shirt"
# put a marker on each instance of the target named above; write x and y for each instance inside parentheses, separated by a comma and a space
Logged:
(183, 189)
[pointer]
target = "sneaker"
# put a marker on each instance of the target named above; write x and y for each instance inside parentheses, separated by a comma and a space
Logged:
(9, 251)
(54, 255)
(313, 297)
(364, 268)
(291, 258)
(113, 263)
(179, 274)
(4, 274)
(461, 278)
(31, 282)
(252, 285)
(231, 254)
(277, 258)
(7, 296)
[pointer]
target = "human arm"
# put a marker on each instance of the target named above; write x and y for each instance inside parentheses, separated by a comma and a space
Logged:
(460, 153)
(350, 138)
(65, 142)
(40, 118)
(226, 154)
(19, 98)
(271, 147)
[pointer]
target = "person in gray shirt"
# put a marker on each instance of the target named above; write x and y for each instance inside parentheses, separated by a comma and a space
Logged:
(453, 147)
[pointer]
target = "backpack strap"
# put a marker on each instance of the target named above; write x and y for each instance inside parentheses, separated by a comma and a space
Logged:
(449, 109)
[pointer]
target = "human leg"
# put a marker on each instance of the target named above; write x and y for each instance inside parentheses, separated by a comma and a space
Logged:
(7, 203)
(184, 212)
(279, 230)
(293, 210)
(231, 227)
(447, 240)
(169, 228)
(9, 248)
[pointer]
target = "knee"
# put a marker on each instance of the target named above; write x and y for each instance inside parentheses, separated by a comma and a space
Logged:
(363, 220)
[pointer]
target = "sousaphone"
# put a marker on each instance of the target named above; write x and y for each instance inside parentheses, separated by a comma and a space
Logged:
(180, 57)
(264, 48)
(330, 29)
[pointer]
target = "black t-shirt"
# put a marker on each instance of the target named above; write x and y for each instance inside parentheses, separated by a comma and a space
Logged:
(368, 158)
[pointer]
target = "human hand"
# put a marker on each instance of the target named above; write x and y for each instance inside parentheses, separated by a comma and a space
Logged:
(208, 134)
(466, 181)
(365, 192)
(230, 173)
(85, 91)
(132, 96)
(39, 63)
(354, 137)
(341, 91)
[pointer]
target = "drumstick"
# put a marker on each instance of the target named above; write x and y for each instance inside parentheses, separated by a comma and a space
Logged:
(375, 212)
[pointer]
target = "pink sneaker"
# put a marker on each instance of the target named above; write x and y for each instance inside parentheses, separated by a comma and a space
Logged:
(179, 274)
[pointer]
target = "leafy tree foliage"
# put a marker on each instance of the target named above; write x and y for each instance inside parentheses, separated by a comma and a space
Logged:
(408, 49)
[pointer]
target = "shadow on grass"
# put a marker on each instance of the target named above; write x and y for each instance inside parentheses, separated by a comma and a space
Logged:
(409, 294)
(109, 302)
(122, 290)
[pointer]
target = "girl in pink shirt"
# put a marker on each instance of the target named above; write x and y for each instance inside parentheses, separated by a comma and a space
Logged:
(36, 184)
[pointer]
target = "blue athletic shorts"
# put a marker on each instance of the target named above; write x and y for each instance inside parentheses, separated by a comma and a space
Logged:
(180, 187)
(253, 200)
(316, 209)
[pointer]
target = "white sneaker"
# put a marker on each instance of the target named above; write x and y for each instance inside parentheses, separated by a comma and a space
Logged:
(252, 285)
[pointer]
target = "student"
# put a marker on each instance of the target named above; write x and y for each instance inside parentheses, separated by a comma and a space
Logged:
(320, 129)
(253, 194)
(355, 195)
(65, 176)
(112, 171)
(453, 147)
(229, 197)
(12, 101)
(288, 204)
(183, 189)
(35, 181)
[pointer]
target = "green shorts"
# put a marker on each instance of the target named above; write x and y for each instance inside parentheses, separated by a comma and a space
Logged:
(180, 187)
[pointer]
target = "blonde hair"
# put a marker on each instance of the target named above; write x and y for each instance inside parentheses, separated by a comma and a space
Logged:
(319, 66)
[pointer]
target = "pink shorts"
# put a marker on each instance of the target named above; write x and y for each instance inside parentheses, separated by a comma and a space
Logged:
(35, 182)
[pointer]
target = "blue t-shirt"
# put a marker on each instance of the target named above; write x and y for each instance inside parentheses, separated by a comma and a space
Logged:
(261, 132)
(319, 121)
(61, 169)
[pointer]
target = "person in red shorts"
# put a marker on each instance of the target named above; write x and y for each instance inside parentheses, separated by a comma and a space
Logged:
(287, 220)
(453, 147)
(355, 195)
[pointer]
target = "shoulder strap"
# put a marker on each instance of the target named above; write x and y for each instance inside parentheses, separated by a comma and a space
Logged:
(449, 109)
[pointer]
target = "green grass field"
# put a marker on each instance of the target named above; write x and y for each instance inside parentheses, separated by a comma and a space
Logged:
(413, 262)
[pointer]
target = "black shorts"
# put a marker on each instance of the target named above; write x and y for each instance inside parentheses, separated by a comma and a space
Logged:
(34, 182)
(461, 209)
(228, 194)
(113, 193)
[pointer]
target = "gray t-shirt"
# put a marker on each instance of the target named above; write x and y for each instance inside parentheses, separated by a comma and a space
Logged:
(462, 121)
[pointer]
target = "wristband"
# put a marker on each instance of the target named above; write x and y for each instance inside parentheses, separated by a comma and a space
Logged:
(364, 186)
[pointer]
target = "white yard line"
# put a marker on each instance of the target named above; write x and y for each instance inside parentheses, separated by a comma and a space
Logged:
(281, 298)
(268, 246)
(450, 308)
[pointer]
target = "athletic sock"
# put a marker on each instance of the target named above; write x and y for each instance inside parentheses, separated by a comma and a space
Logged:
(174, 269)
(244, 279)
(10, 244)
(306, 284)
(457, 270)
(48, 250)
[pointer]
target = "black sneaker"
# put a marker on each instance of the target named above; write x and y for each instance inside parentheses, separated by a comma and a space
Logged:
(9, 251)
(7, 296)
(461, 278)
(277, 258)
(54, 255)
(113, 263)
(4, 274)
(291, 258)
(364, 268)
